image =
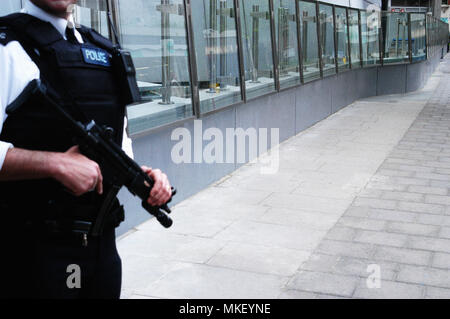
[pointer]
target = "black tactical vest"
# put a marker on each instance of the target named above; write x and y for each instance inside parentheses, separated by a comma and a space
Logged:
(82, 77)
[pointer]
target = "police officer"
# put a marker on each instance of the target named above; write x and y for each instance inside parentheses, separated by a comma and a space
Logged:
(49, 192)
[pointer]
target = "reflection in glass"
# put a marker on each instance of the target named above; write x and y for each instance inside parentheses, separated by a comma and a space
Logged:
(342, 38)
(154, 32)
(327, 39)
(93, 14)
(9, 6)
(309, 41)
(215, 41)
(353, 22)
(287, 45)
(370, 24)
(418, 45)
(257, 47)
(396, 43)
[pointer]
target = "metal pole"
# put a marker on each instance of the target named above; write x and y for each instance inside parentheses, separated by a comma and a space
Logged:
(360, 39)
(349, 45)
(212, 46)
(192, 58)
(165, 54)
(240, 49)
(223, 45)
(318, 39)
(255, 43)
(410, 39)
(274, 45)
(299, 39)
(335, 40)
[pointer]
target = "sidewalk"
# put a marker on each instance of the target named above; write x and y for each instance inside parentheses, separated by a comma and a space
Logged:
(367, 186)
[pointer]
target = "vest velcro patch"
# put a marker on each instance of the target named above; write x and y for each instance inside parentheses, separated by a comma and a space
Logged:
(96, 56)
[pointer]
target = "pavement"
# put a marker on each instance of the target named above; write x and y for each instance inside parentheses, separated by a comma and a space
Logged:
(358, 209)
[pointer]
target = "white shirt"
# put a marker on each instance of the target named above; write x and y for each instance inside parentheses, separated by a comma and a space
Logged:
(17, 70)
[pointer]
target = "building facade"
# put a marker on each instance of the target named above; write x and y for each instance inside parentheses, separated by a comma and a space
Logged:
(208, 66)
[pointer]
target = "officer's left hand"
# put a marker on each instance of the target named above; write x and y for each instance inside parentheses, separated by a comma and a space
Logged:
(161, 191)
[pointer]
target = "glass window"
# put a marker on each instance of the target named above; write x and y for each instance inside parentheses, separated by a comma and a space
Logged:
(309, 41)
(287, 44)
(418, 45)
(327, 39)
(9, 6)
(257, 47)
(93, 14)
(370, 24)
(154, 32)
(342, 38)
(353, 22)
(396, 43)
(216, 50)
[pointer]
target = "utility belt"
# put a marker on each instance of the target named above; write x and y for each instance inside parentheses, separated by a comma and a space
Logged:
(50, 221)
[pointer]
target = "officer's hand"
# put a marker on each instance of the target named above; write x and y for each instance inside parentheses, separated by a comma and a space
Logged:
(161, 191)
(78, 173)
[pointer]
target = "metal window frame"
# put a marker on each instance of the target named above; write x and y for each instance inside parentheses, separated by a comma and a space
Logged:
(237, 10)
(192, 58)
(335, 40)
(360, 40)
(349, 45)
(409, 38)
(320, 36)
(299, 40)
(276, 62)
(319, 52)
(319, 56)
(347, 35)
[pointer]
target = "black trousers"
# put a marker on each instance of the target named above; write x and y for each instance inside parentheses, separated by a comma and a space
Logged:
(35, 266)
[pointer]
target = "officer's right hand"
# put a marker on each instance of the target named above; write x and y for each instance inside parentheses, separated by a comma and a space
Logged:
(78, 173)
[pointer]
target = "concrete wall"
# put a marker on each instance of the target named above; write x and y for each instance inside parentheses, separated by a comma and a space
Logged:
(292, 111)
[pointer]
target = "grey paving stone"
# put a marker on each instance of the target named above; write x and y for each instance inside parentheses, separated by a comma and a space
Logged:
(429, 243)
(428, 190)
(324, 283)
(401, 255)
(389, 290)
(168, 246)
(351, 249)
(341, 233)
(381, 238)
(260, 259)
(422, 208)
(441, 260)
(191, 281)
(437, 199)
(271, 235)
(296, 294)
(348, 266)
(424, 276)
(392, 215)
(298, 218)
(375, 203)
(362, 223)
(412, 228)
(445, 232)
(403, 196)
(437, 293)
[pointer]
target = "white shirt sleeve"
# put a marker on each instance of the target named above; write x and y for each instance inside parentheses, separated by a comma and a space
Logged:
(17, 70)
